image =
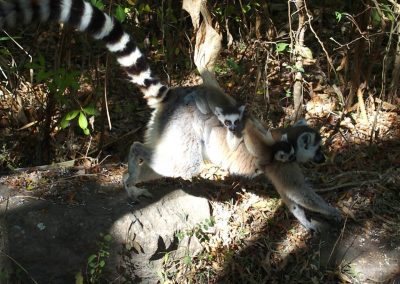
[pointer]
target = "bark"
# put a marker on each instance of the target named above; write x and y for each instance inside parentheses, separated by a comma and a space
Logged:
(394, 85)
(298, 84)
(359, 58)
(208, 41)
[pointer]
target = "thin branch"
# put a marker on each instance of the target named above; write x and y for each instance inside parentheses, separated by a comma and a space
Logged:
(347, 184)
(20, 266)
(310, 17)
(105, 94)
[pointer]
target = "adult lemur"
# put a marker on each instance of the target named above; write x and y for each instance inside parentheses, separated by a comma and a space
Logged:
(177, 141)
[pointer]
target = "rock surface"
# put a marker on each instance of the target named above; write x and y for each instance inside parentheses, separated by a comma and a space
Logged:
(52, 240)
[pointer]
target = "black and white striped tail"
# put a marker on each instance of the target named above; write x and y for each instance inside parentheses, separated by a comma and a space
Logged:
(87, 18)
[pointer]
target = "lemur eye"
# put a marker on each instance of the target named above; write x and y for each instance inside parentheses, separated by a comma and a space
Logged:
(236, 122)
(227, 123)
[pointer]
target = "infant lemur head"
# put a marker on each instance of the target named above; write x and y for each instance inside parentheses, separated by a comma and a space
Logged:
(231, 117)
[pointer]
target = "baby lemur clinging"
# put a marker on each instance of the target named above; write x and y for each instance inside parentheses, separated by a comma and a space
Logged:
(212, 100)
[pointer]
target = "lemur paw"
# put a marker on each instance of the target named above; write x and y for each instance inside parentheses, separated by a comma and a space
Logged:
(135, 192)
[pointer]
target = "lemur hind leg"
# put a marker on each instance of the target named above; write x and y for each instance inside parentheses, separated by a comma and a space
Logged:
(309, 223)
(315, 203)
(297, 195)
(138, 170)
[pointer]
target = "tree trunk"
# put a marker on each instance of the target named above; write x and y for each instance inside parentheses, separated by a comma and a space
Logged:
(299, 44)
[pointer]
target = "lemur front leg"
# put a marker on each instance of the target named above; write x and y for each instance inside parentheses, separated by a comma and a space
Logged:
(297, 195)
(315, 203)
(138, 170)
(298, 212)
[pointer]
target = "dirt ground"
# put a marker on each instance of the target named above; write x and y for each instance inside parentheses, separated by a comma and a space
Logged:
(54, 228)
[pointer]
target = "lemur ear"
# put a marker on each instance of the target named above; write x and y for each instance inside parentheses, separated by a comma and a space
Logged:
(241, 108)
(301, 122)
(304, 140)
(284, 138)
(218, 111)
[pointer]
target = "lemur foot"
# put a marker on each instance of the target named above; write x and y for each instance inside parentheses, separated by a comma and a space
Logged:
(135, 192)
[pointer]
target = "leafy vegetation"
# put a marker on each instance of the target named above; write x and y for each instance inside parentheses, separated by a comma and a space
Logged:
(96, 262)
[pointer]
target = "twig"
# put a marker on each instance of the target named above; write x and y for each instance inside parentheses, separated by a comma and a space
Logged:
(88, 147)
(290, 30)
(28, 125)
(379, 10)
(116, 140)
(361, 104)
(381, 94)
(347, 45)
(347, 184)
(20, 266)
(23, 196)
(27, 54)
(66, 164)
(338, 239)
(357, 172)
(310, 17)
(105, 94)
(106, 79)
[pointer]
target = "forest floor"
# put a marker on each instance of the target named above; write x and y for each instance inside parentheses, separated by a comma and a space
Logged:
(67, 211)
(258, 240)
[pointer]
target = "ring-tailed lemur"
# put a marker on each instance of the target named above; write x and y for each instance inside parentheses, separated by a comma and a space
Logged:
(283, 151)
(300, 136)
(177, 138)
(212, 100)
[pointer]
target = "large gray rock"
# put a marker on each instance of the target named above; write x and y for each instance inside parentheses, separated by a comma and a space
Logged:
(152, 231)
(52, 239)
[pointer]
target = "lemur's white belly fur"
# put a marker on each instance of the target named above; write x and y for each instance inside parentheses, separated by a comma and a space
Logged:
(174, 154)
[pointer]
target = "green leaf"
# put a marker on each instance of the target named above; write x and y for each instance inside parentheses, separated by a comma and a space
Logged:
(78, 278)
(187, 260)
(388, 12)
(41, 60)
(91, 258)
(376, 18)
(8, 38)
(280, 47)
(86, 131)
(338, 16)
(166, 257)
(233, 65)
(120, 14)
(147, 8)
(64, 123)
(90, 110)
(98, 4)
(102, 263)
(108, 238)
(71, 115)
(82, 121)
